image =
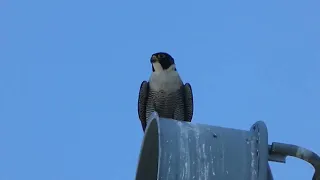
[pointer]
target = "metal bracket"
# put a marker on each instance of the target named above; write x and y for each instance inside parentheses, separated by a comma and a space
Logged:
(279, 151)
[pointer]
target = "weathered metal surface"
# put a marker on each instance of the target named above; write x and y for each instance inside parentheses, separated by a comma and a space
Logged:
(175, 150)
(260, 132)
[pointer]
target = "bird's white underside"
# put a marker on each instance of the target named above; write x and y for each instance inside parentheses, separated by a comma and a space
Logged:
(167, 80)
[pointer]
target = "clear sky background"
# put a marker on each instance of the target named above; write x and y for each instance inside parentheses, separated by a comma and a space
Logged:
(70, 73)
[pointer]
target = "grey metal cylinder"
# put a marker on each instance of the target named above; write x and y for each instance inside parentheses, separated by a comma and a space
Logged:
(175, 150)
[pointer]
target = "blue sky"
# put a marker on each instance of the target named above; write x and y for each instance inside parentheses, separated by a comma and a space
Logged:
(70, 73)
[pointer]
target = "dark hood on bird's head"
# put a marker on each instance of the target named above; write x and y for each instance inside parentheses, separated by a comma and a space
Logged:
(165, 59)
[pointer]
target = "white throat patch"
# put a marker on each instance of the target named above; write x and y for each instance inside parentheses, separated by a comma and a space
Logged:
(157, 67)
(167, 80)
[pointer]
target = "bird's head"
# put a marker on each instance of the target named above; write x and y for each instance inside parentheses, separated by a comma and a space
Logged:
(162, 61)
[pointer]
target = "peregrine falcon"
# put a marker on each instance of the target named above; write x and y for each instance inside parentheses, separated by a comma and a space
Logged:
(165, 92)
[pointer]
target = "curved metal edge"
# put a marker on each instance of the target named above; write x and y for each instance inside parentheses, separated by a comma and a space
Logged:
(148, 162)
(316, 175)
(283, 150)
(260, 131)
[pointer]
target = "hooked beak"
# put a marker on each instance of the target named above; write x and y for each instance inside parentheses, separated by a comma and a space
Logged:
(154, 59)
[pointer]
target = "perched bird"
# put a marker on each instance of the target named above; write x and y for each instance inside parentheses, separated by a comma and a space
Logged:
(165, 92)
